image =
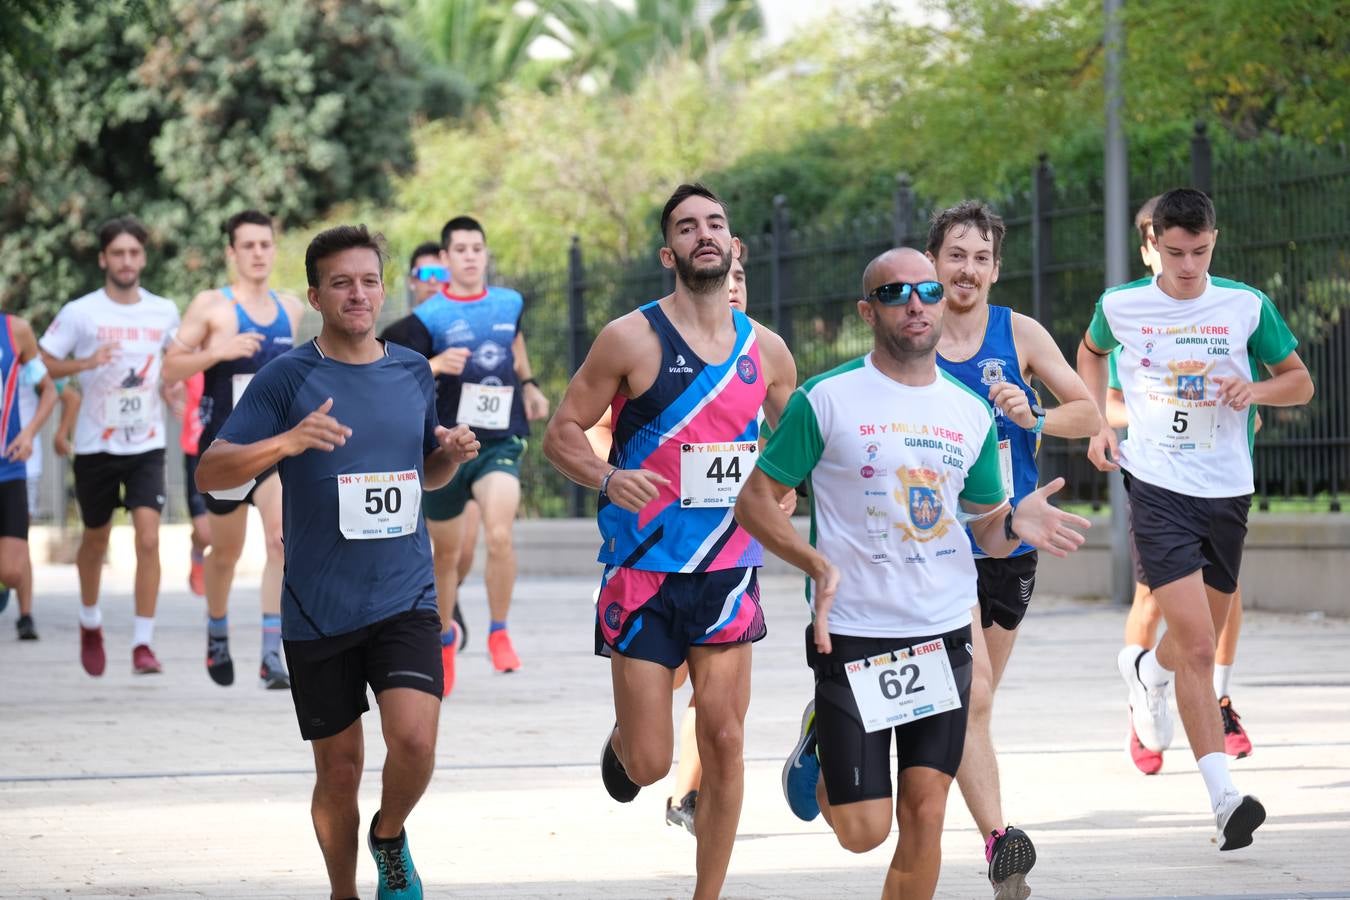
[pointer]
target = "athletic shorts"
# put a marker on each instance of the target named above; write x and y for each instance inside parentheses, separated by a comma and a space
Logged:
(856, 764)
(657, 616)
(1177, 534)
(219, 507)
(501, 455)
(105, 481)
(1140, 576)
(196, 500)
(1004, 587)
(329, 674)
(14, 509)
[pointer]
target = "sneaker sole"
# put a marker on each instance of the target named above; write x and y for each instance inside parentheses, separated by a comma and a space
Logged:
(1014, 887)
(607, 749)
(1015, 859)
(1242, 823)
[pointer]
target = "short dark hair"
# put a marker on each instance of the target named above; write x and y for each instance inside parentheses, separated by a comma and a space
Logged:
(975, 213)
(335, 240)
(744, 254)
(1143, 220)
(245, 217)
(460, 223)
(1184, 208)
(112, 229)
(683, 193)
(430, 248)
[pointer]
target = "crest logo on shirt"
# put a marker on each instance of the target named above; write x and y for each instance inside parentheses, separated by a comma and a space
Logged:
(1188, 376)
(991, 371)
(920, 495)
(489, 355)
(745, 368)
(459, 332)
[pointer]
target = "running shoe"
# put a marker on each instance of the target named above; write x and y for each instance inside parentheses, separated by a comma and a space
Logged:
(1145, 760)
(143, 661)
(5, 591)
(272, 673)
(92, 656)
(24, 626)
(448, 652)
(1236, 743)
(1149, 713)
(504, 657)
(219, 665)
(197, 578)
(463, 628)
(398, 876)
(612, 773)
(1010, 855)
(1237, 817)
(682, 814)
(802, 770)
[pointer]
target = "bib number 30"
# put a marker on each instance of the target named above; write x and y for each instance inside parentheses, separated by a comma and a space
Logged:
(904, 685)
(375, 505)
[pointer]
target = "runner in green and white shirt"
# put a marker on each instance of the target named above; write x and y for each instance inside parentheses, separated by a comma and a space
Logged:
(1190, 344)
(893, 449)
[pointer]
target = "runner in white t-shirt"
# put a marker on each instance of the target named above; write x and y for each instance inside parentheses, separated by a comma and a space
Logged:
(114, 339)
(894, 449)
(1190, 344)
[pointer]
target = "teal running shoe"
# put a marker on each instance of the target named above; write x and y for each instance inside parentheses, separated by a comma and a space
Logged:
(398, 875)
(802, 770)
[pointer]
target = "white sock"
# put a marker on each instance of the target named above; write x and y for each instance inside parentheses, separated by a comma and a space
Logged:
(90, 616)
(143, 632)
(1222, 674)
(1151, 672)
(1214, 769)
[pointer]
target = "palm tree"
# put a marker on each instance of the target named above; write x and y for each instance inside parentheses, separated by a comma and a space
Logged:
(478, 45)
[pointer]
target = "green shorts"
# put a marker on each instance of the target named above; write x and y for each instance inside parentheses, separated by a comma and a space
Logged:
(501, 455)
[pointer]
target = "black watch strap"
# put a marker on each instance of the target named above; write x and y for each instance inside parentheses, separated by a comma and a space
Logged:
(1008, 528)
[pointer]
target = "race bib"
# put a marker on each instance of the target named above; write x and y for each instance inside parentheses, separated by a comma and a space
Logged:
(129, 407)
(1005, 466)
(485, 405)
(237, 385)
(375, 505)
(904, 685)
(712, 474)
(1176, 423)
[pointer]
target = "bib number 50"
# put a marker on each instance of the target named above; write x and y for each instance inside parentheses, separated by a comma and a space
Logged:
(389, 500)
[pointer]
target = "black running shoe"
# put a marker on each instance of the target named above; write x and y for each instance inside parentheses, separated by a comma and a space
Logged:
(24, 626)
(219, 665)
(463, 628)
(682, 815)
(1011, 856)
(617, 782)
(272, 674)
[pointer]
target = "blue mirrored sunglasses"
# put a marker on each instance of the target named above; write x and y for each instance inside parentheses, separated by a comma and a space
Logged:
(431, 273)
(897, 292)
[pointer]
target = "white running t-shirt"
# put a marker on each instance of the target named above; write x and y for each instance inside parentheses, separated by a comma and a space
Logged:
(1180, 437)
(888, 465)
(121, 412)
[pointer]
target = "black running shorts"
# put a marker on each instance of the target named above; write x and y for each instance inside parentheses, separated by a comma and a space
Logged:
(105, 481)
(1004, 587)
(225, 507)
(1177, 534)
(14, 509)
(1140, 576)
(329, 675)
(856, 764)
(196, 500)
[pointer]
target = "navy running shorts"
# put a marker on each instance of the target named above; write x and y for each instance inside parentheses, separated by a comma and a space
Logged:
(1004, 586)
(1177, 534)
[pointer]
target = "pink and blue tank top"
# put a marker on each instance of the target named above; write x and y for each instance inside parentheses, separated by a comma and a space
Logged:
(10, 424)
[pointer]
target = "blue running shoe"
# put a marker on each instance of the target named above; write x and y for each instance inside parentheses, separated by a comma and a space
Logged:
(398, 875)
(802, 770)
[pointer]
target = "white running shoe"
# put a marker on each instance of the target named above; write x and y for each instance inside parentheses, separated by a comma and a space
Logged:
(1149, 711)
(1237, 817)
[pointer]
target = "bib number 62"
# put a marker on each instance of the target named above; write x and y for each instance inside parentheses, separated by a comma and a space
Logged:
(891, 685)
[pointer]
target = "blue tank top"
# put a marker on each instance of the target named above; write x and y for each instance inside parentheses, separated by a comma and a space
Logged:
(225, 382)
(10, 424)
(996, 361)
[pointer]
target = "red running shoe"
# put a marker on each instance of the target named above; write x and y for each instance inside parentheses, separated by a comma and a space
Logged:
(448, 652)
(504, 657)
(1145, 760)
(197, 578)
(1235, 740)
(92, 656)
(143, 661)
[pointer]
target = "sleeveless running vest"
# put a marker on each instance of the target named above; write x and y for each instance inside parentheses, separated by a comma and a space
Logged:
(224, 382)
(996, 361)
(10, 424)
(691, 402)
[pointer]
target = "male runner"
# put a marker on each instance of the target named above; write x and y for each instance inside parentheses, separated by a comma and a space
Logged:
(116, 336)
(21, 372)
(427, 273)
(350, 423)
(996, 353)
(1141, 623)
(229, 334)
(471, 333)
(893, 446)
(1190, 343)
(686, 376)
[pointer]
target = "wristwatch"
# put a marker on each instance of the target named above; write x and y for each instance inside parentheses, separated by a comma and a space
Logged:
(1039, 412)
(1008, 527)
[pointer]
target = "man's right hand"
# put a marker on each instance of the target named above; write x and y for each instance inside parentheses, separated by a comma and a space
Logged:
(102, 356)
(450, 361)
(633, 489)
(826, 584)
(238, 346)
(317, 431)
(1104, 450)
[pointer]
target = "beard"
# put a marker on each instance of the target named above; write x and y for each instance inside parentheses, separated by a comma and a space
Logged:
(900, 346)
(124, 285)
(703, 280)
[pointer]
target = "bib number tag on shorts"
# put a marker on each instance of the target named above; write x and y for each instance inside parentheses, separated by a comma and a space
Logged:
(712, 474)
(902, 686)
(237, 385)
(1005, 468)
(128, 407)
(485, 405)
(1176, 424)
(375, 505)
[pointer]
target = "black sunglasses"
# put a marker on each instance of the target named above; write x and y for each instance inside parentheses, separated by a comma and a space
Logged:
(897, 292)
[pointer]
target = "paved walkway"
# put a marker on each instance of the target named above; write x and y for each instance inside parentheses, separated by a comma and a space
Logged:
(171, 787)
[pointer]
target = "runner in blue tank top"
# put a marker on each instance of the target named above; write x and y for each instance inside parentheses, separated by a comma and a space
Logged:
(230, 333)
(997, 352)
